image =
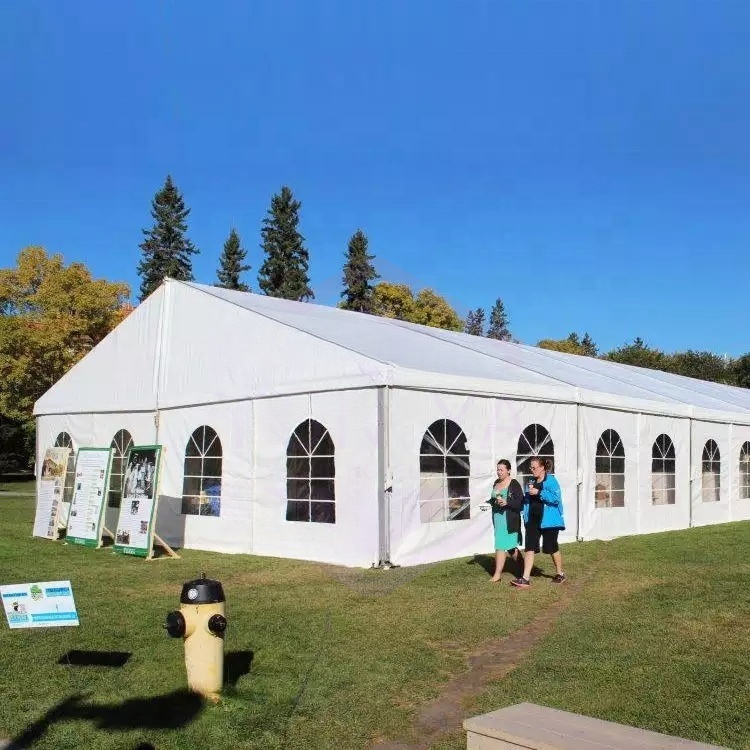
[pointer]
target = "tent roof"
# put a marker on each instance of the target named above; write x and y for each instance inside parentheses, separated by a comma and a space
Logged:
(305, 346)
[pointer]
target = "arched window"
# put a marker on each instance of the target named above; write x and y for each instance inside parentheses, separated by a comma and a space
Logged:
(609, 491)
(311, 474)
(444, 473)
(534, 442)
(63, 440)
(121, 444)
(201, 486)
(711, 473)
(663, 463)
(745, 471)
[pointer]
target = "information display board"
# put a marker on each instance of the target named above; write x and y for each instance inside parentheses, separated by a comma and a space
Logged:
(49, 492)
(39, 605)
(89, 496)
(135, 526)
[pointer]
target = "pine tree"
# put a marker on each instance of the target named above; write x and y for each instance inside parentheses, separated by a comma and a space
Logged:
(590, 349)
(231, 265)
(358, 273)
(166, 250)
(498, 328)
(475, 322)
(284, 272)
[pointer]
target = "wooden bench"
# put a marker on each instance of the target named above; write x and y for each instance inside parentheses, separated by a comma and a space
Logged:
(533, 727)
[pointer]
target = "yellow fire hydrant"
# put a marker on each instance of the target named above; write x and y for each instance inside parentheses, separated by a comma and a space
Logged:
(201, 622)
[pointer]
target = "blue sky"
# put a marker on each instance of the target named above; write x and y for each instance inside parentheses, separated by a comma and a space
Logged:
(588, 162)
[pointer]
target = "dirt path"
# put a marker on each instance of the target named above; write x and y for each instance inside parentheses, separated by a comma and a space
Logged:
(492, 661)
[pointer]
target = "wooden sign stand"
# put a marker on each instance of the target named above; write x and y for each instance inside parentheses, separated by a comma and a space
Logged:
(157, 541)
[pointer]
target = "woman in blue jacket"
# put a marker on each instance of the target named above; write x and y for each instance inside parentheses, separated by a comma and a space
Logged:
(543, 518)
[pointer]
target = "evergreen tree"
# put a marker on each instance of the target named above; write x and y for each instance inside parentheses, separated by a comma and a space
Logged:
(590, 349)
(498, 328)
(231, 265)
(475, 322)
(166, 250)
(284, 272)
(358, 273)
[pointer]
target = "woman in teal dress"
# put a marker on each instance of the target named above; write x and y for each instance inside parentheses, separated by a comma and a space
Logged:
(507, 503)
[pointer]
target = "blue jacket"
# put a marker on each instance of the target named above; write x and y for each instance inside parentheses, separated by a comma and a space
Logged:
(552, 504)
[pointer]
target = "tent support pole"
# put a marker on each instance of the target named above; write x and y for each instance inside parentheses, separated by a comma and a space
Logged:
(384, 488)
(691, 474)
(579, 471)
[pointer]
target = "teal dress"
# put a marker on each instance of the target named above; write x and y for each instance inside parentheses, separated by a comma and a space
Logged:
(504, 539)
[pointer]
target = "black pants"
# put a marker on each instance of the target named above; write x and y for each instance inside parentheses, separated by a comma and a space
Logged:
(548, 537)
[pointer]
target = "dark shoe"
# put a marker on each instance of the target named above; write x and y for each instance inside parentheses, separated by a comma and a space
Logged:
(559, 578)
(521, 583)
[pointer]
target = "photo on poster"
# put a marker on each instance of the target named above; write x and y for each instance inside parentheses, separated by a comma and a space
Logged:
(53, 466)
(140, 471)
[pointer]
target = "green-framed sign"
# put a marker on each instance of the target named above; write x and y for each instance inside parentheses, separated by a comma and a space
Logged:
(135, 526)
(93, 466)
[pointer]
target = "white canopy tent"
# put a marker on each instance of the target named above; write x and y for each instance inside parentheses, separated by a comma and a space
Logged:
(310, 432)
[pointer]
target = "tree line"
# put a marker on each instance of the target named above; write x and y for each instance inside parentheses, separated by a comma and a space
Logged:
(51, 315)
(167, 251)
(691, 364)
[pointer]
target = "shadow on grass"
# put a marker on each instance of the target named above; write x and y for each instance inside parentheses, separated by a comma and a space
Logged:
(515, 567)
(236, 665)
(172, 711)
(95, 658)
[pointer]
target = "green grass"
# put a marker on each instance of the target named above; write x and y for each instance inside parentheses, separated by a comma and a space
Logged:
(659, 637)
(20, 486)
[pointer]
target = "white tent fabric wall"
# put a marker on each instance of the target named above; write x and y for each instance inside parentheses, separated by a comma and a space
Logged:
(492, 428)
(740, 497)
(607, 522)
(350, 417)
(253, 368)
(231, 531)
(662, 515)
(707, 486)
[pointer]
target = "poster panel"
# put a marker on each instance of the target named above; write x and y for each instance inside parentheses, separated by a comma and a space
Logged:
(89, 496)
(49, 492)
(135, 526)
(39, 605)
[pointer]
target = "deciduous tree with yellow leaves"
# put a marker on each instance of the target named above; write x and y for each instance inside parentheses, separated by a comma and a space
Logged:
(427, 308)
(51, 315)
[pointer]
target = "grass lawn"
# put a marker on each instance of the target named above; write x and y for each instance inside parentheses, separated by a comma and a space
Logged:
(658, 637)
(20, 486)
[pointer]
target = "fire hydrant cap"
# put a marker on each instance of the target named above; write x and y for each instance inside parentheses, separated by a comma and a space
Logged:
(202, 591)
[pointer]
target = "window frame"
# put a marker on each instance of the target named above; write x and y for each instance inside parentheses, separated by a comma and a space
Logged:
(304, 451)
(665, 458)
(544, 448)
(743, 487)
(120, 450)
(711, 467)
(454, 496)
(609, 450)
(202, 453)
(70, 468)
